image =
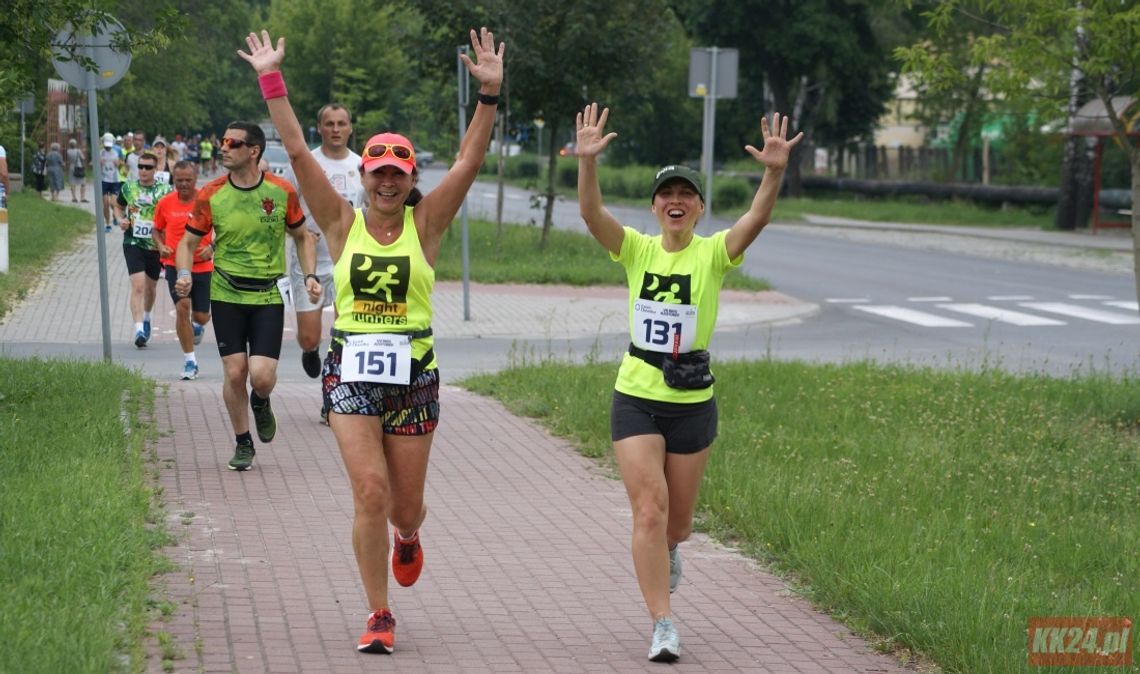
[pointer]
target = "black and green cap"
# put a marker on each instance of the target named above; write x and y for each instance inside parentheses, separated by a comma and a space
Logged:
(676, 171)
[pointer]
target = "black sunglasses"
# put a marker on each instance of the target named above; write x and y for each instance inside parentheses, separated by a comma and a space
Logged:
(148, 167)
(233, 143)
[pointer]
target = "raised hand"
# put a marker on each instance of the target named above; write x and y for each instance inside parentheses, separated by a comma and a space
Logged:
(263, 56)
(592, 136)
(777, 147)
(487, 67)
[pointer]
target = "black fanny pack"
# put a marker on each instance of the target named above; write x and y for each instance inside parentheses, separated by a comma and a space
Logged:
(685, 371)
(245, 283)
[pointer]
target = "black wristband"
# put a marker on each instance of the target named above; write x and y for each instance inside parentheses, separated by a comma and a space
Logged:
(488, 99)
(313, 276)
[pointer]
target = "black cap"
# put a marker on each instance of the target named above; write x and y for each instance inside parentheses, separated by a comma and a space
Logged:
(682, 172)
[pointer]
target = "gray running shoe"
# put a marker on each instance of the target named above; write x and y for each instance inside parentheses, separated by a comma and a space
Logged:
(198, 330)
(243, 457)
(674, 568)
(666, 645)
(265, 421)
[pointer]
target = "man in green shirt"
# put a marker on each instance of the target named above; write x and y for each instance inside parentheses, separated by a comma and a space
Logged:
(134, 208)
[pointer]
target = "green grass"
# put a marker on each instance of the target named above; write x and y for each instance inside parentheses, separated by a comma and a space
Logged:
(37, 231)
(914, 211)
(78, 530)
(936, 510)
(569, 258)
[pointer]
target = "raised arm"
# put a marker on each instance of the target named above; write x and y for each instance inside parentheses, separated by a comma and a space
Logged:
(774, 157)
(592, 139)
(436, 211)
(332, 213)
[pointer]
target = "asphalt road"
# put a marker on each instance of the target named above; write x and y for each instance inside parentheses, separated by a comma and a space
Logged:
(894, 303)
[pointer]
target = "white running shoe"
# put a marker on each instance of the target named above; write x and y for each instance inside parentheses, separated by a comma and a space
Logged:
(666, 645)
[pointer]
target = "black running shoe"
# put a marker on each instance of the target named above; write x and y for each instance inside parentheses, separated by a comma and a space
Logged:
(311, 361)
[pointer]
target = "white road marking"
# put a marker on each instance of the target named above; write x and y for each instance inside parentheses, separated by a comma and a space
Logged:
(916, 317)
(846, 300)
(1123, 304)
(1001, 315)
(930, 299)
(1009, 298)
(1086, 313)
(1079, 296)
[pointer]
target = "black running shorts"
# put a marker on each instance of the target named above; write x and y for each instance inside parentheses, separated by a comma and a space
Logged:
(248, 328)
(687, 427)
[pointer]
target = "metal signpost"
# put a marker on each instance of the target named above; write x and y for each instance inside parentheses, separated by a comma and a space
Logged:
(109, 66)
(464, 79)
(712, 75)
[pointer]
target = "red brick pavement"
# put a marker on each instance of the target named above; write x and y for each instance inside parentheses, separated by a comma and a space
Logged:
(527, 562)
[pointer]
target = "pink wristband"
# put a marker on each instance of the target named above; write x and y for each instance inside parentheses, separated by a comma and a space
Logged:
(272, 85)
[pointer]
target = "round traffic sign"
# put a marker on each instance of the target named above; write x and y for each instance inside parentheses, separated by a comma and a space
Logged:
(71, 45)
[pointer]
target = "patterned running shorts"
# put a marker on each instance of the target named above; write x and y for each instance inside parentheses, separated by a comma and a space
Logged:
(403, 410)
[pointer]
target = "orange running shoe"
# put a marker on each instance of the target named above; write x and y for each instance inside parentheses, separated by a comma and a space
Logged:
(407, 558)
(380, 637)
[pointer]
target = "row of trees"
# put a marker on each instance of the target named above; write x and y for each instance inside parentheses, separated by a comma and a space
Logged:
(829, 64)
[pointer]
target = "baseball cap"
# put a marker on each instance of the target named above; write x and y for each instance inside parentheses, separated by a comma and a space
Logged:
(108, 139)
(388, 149)
(158, 140)
(677, 172)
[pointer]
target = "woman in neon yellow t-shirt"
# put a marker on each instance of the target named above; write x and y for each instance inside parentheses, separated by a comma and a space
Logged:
(663, 417)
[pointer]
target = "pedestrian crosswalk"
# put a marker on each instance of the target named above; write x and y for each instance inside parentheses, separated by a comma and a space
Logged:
(1015, 310)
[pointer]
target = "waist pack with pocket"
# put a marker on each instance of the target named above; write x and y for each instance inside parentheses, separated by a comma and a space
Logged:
(686, 371)
(245, 283)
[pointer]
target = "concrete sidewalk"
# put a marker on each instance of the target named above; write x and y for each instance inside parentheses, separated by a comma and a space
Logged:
(527, 561)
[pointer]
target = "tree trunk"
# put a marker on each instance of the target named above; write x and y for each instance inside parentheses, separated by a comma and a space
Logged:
(1066, 201)
(552, 171)
(501, 170)
(500, 134)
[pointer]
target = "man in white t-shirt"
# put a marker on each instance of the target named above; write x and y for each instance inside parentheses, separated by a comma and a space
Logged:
(342, 167)
(109, 176)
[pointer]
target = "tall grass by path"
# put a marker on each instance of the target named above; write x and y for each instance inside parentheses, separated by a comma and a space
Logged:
(570, 258)
(37, 231)
(78, 544)
(938, 510)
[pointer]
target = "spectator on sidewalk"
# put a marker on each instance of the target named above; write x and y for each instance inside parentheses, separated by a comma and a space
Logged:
(39, 169)
(381, 382)
(135, 209)
(55, 169)
(249, 213)
(663, 419)
(342, 169)
(76, 170)
(4, 184)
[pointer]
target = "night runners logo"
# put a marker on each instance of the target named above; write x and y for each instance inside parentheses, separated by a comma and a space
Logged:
(666, 288)
(1103, 641)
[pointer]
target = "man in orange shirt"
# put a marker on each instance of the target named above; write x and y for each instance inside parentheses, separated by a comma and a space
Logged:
(170, 218)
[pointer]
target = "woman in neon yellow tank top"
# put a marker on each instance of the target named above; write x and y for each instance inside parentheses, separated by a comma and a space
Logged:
(663, 418)
(380, 380)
